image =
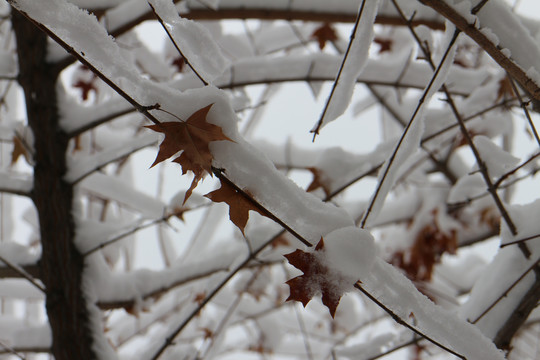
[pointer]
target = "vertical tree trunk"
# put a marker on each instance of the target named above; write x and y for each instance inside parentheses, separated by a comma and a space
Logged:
(61, 265)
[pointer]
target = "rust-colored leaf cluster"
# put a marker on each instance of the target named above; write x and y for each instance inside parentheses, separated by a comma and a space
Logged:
(430, 244)
(317, 278)
(323, 34)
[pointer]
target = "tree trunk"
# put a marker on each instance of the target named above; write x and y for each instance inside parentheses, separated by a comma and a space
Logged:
(61, 265)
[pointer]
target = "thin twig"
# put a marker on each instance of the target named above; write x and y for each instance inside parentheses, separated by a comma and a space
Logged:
(230, 311)
(524, 107)
(220, 175)
(481, 164)
(170, 339)
(340, 71)
(400, 321)
(143, 109)
(506, 292)
(19, 270)
(303, 332)
(406, 130)
(519, 241)
(12, 351)
(396, 348)
(188, 63)
(485, 43)
(123, 235)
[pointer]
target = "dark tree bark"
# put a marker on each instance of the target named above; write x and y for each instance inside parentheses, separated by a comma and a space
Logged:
(61, 265)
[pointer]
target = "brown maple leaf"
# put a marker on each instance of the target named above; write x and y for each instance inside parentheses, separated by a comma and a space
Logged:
(280, 241)
(86, 87)
(179, 62)
(323, 34)
(18, 150)
(430, 244)
(505, 90)
(239, 204)
(318, 181)
(384, 44)
(317, 278)
(192, 138)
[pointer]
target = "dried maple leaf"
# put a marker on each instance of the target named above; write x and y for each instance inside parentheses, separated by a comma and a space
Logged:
(18, 150)
(317, 278)
(86, 87)
(192, 138)
(505, 90)
(323, 34)
(319, 181)
(430, 244)
(280, 241)
(384, 44)
(208, 334)
(179, 63)
(239, 204)
(199, 298)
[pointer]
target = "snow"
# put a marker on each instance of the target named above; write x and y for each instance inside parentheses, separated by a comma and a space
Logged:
(374, 346)
(507, 28)
(16, 333)
(525, 220)
(409, 142)
(351, 252)
(17, 253)
(348, 250)
(113, 188)
(398, 293)
(82, 167)
(15, 183)
(8, 65)
(352, 64)
(507, 266)
(194, 40)
(466, 188)
(125, 12)
(142, 284)
(497, 161)
(19, 288)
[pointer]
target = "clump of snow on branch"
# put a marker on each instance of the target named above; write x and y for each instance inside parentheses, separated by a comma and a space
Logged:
(350, 252)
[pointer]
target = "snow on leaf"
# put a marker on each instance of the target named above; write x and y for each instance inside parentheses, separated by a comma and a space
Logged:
(315, 280)
(239, 204)
(192, 137)
(333, 267)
